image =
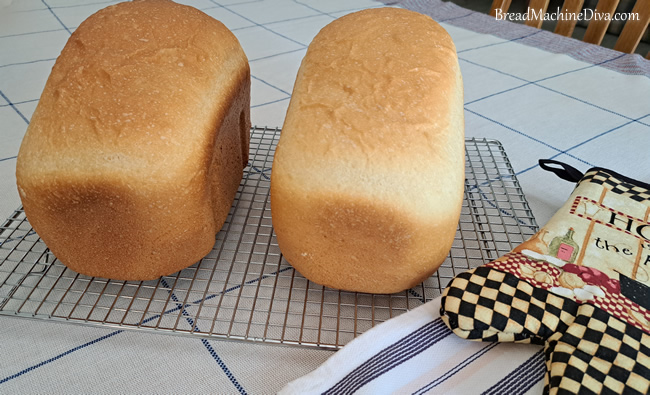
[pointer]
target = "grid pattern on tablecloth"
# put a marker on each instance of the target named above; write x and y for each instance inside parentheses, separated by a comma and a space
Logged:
(243, 289)
(275, 44)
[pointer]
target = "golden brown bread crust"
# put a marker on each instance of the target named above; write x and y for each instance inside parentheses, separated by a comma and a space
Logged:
(368, 175)
(136, 148)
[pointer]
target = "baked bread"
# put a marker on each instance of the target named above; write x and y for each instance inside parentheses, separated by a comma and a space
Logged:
(368, 175)
(136, 149)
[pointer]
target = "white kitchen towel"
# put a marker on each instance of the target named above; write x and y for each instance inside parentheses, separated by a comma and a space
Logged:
(416, 353)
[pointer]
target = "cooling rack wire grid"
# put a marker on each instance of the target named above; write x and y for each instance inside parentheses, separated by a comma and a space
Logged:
(244, 289)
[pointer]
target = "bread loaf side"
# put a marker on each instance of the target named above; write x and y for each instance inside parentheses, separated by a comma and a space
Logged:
(368, 176)
(136, 149)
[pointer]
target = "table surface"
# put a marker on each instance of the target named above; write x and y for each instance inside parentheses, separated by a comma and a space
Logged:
(541, 95)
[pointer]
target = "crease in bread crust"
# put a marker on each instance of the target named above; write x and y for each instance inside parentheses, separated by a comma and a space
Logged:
(368, 174)
(136, 148)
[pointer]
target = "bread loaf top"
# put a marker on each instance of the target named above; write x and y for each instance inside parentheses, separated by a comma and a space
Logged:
(378, 94)
(122, 98)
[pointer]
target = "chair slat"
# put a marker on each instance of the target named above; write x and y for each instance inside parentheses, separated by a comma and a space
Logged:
(502, 5)
(539, 7)
(634, 29)
(565, 23)
(598, 27)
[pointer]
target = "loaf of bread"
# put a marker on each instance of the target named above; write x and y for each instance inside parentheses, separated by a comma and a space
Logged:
(136, 149)
(368, 176)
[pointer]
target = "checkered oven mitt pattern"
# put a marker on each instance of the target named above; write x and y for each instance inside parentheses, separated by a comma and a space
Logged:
(580, 286)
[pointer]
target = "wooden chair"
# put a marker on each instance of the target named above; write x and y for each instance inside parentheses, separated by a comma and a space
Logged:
(628, 39)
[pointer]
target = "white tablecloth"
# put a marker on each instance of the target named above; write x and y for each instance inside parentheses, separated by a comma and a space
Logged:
(541, 95)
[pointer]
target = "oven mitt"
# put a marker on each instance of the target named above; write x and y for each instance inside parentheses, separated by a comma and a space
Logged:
(580, 286)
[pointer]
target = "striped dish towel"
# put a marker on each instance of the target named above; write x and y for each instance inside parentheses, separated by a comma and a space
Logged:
(416, 353)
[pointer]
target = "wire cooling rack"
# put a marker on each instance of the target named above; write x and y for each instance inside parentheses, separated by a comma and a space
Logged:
(244, 289)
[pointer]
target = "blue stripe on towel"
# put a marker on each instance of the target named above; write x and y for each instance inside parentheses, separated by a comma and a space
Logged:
(392, 356)
(522, 378)
(456, 369)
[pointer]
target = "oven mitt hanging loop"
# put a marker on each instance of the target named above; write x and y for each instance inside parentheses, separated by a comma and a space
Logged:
(561, 169)
(580, 286)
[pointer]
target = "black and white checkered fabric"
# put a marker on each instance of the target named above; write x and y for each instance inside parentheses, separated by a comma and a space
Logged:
(616, 185)
(587, 350)
(593, 345)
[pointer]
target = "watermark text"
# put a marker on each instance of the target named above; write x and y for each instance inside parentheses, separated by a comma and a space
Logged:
(586, 14)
